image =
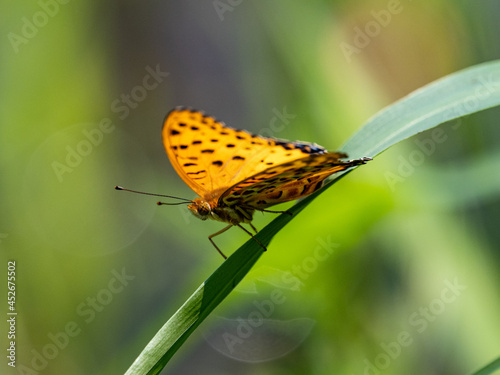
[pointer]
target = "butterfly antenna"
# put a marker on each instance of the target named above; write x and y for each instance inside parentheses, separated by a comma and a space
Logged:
(171, 204)
(185, 201)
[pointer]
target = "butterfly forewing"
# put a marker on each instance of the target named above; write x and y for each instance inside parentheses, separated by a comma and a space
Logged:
(211, 157)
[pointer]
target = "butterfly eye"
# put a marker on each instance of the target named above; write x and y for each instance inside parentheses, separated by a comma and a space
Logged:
(200, 209)
(204, 210)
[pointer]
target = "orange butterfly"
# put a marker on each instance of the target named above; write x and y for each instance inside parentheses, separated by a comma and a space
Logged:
(236, 173)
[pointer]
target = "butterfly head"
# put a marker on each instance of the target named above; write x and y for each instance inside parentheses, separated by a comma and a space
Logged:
(200, 208)
(205, 209)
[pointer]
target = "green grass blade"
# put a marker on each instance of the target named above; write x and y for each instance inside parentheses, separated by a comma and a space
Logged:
(204, 300)
(453, 96)
(490, 368)
(456, 95)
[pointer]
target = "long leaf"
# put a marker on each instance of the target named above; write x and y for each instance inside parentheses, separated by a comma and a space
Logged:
(490, 368)
(453, 96)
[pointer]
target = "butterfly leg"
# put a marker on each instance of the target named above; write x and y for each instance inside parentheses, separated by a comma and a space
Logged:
(251, 235)
(269, 211)
(254, 229)
(216, 234)
(276, 212)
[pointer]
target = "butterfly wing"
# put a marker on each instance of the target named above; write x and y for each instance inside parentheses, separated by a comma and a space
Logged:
(211, 157)
(288, 181)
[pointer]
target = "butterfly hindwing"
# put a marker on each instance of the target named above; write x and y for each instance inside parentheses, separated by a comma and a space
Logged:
(211, 157)
(286, 182)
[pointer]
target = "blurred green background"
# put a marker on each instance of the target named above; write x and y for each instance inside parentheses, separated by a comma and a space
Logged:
(394, 270)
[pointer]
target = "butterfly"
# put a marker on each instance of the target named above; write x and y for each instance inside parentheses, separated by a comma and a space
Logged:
(235, 173)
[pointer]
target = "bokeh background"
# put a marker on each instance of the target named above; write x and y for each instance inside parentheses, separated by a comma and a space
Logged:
(394, 270)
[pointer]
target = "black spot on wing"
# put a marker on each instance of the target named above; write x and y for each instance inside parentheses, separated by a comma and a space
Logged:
(196, 173)
(318, 185)
(305, 147)
(230, 200)
(286, 146)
